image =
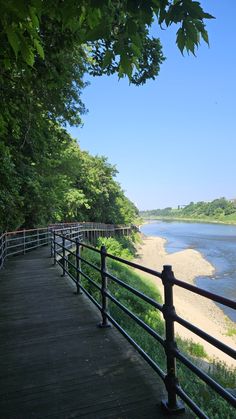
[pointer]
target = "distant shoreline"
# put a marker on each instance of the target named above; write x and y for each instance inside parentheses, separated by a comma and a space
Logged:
(193, 220)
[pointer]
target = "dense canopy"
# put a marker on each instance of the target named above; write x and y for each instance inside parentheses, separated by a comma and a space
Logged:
(115, 35)
(47, 47)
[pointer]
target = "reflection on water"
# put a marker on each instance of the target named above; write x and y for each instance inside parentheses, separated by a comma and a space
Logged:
(216, 242)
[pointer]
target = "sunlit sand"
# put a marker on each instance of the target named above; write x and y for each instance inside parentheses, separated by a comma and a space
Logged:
(187, 265)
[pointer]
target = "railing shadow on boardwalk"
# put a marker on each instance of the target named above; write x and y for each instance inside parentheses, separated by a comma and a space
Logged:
(66, 242)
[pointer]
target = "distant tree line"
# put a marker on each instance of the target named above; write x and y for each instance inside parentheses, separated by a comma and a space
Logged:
(218, 209)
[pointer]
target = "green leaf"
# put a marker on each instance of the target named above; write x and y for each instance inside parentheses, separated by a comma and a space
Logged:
(190, 46)
(27, 54)
(192, 32)
(7, 63)
(205, 36)
(180, 40)
(131, 27)
(34, 17)
(136, 50)
(39, 48)
(13, 40)
(175, 14)
(126, 66)
(208, 16)
(201, 28)
(107, 58)
(93, 17)
(99, 32)
(194, 9)
(199, 25)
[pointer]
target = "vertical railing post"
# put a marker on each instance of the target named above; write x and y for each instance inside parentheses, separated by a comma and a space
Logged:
(2, 249)
(24, 241)
(54, 248)
(50, 234)
(6, 245)
(104, 322)
(78, 266)
(171, 405)
(63, 256)
(48, 238)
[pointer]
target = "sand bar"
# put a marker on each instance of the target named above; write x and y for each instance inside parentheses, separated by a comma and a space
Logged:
(187, 265)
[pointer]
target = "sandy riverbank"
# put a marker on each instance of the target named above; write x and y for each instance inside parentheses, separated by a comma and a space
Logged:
(187, 265)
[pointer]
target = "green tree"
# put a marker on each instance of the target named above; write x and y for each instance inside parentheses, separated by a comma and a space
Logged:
(34, 103)
(10, 198)
(116, 33)
(46, 48)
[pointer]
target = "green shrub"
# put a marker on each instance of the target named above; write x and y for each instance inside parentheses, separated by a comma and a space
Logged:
(122, 247)
(192, 348)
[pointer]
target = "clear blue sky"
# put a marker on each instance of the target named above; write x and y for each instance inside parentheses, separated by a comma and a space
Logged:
(174, 139)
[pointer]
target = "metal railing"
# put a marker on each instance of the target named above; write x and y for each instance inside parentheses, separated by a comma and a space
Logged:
(14, 243)
(61, 250)
(19, 242)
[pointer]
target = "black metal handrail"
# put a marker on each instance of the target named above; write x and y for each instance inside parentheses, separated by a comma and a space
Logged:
(170, 378)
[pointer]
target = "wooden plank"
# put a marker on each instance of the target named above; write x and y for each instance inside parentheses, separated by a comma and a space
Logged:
(55, 362)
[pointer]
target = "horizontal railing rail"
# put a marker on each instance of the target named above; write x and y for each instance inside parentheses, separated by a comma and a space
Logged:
(14, 243)
(72, 267)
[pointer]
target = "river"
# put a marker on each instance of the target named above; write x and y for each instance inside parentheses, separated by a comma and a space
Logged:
(216, 242)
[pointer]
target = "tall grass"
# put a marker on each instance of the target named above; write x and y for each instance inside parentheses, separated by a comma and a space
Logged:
(212, 404)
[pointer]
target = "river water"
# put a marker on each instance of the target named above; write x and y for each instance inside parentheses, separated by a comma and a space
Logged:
(216, 242)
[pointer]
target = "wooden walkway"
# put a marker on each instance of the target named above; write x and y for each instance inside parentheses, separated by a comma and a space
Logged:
(55, 362)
